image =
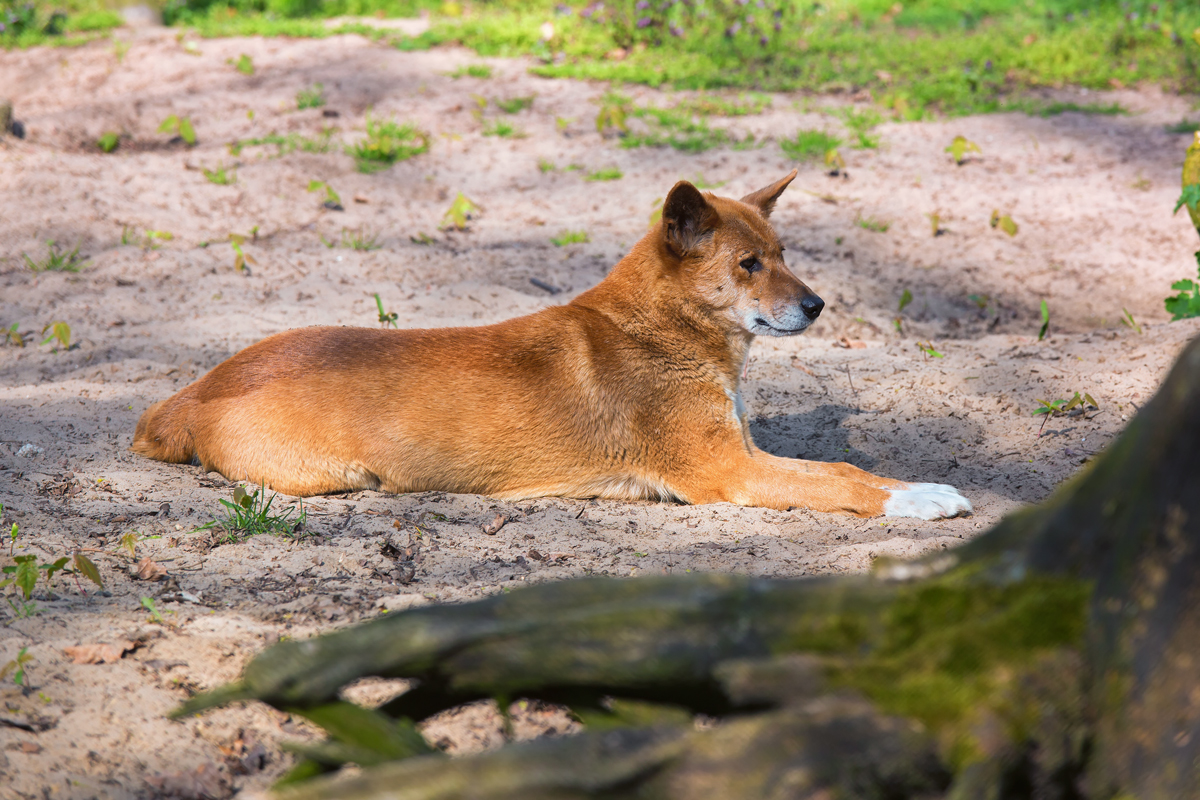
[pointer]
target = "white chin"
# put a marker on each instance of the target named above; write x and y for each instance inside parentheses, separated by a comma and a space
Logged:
(766, 330)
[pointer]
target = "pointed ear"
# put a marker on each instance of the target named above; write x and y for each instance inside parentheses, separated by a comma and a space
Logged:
(686, 218)
(764, 199)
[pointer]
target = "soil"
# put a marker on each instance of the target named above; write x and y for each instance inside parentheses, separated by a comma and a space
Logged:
(1091, 196)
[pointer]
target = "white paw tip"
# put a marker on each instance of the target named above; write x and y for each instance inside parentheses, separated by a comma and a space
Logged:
(926, 501)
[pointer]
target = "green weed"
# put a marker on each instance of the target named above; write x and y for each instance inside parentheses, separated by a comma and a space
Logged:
(809, 145)
(250, 515)
(108, 142)
(243, 65)
(220, 175)
(960, 147)
(287, 144)
(241, 261)
(120, 48)
(13, 335)
(59, 332)
(872, 224)
(180, 126)
(461, 210)
(1129, 322)
(333, 201)
(1054, 109)
(929, 350)
(472, 71)
(614, 109)
(17, 666)
(1004, 222)
(1183, 126)
(311, 98)
(546, 165)
(360, 240)
(1186, 304)
(385, 317)
(860, 124)
(56, 260)
(514, 105)
(906, 297)
(149, 604)
(501, 128)
(1045, 321)
(1060, 407)
(606, 174)
(386, 143)
(570, 237)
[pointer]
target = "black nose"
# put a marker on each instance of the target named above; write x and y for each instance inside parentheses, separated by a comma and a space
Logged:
(812, 306)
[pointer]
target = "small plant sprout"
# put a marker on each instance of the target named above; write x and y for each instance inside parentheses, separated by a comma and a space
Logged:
(250, 514)
(12, 534)
(1074, 407)
(614, 108)
(60, 332)
(861, 123)
(129, 544)
(360, 240)
(906, 297)
(11, 334)
(834, 163)
(514, 105)
(220, 175)
(85, 567)
(1186, 304)
(546, 165)
(1128, 321)
(153, 239)
(504, 130)
(960, 147)
(385, 317)
(606, 174)
(120, 48)
(108, 141)
(313, 97)
(935, 224)
(56, 260)
(1004, 222)
(17, 667)
(472, 71)
(461, 210)
(562, 123)
(422, 238)
(570, 237)
(241, 261)
(181, 127)
(1045, 321)
(243, 64)
(873, 225)
(333, 200)
(809, 145)
(929, 350)
(148, 602)
(386, 143)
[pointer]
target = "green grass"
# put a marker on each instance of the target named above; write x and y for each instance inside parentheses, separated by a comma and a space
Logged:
(250, 515)
(108, 141)
(386, 143)
(947, 57)
(606, 174)
(287, 144)
(220, 175)
(809, 145)
(1054, 109)
(499, 127)
(1183, 126)
(313, 97)
(56, 260)
(570, 237)
(472, 71)
(873, 225)
(514, 105)
(361, 240)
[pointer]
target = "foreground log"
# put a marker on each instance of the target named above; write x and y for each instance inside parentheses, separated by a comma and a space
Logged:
(1056, 656)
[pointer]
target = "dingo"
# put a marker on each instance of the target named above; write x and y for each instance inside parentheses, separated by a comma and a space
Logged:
(630, 391)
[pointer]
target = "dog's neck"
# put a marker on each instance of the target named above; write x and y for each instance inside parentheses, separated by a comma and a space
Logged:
(642, 297)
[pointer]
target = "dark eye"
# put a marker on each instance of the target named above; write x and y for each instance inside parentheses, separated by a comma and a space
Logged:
(751, 265)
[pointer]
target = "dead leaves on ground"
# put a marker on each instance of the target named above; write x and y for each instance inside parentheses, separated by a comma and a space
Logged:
(99, 653)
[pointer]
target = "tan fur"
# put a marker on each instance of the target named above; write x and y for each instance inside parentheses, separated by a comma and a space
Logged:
(629, 391)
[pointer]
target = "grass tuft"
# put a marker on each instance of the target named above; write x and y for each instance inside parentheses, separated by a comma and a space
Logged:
(386, 143)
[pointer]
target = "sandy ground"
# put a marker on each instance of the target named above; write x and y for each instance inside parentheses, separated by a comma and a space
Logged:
(1092, 197)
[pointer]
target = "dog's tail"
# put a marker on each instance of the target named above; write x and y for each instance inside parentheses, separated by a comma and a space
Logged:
(163, 433)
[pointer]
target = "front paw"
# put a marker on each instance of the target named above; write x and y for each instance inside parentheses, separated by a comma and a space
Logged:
(926, 501)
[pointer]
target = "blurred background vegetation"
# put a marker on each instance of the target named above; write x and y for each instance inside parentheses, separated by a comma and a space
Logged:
(918, 58)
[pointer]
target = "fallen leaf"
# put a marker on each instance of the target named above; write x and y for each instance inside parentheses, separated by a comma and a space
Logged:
(850, 344)
(30, 748)
(535, 555)
(148, 570)
(99, 653)
(358, 198)
(493, 527)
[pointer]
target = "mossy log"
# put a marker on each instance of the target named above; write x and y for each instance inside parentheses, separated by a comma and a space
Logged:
(1055, 656)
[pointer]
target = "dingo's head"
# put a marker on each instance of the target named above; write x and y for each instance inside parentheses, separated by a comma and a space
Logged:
(731, 261)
